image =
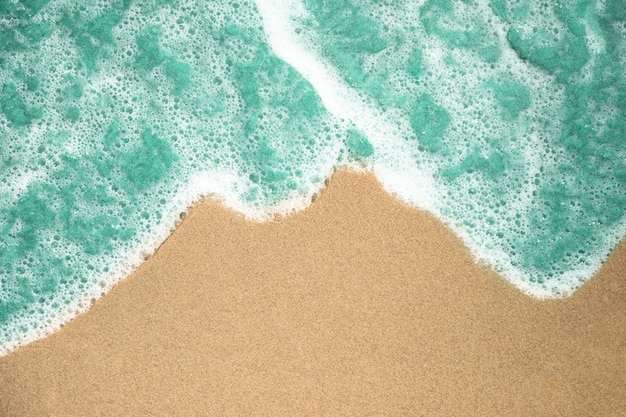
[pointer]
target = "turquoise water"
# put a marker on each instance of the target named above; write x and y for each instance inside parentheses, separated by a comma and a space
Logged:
(506, 119)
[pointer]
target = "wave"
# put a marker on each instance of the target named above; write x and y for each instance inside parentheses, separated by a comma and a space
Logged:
(504, 119)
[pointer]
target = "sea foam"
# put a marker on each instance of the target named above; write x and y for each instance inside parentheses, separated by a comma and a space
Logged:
(506, 119)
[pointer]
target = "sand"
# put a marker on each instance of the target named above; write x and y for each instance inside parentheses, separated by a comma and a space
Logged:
(359, 305)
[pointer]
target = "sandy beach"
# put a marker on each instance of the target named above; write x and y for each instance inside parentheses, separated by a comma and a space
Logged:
(359, 305)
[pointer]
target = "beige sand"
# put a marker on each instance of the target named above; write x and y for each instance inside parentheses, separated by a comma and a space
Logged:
(357, 306)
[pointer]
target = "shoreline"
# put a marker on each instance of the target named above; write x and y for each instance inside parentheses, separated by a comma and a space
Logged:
(358, 304)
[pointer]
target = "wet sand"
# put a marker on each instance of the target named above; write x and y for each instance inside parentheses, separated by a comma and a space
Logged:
(360, 305)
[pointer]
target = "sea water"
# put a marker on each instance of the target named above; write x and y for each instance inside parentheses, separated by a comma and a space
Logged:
(504, 118)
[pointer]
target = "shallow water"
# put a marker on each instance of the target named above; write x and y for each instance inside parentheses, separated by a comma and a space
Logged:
(506, 119)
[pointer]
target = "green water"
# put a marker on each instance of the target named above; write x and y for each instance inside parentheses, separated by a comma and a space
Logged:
(507, 119)
(521, 105)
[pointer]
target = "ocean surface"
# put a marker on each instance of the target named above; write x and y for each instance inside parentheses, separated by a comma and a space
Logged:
(504, 118)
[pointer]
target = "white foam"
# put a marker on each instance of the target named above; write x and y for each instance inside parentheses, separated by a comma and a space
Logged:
(393, 165)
